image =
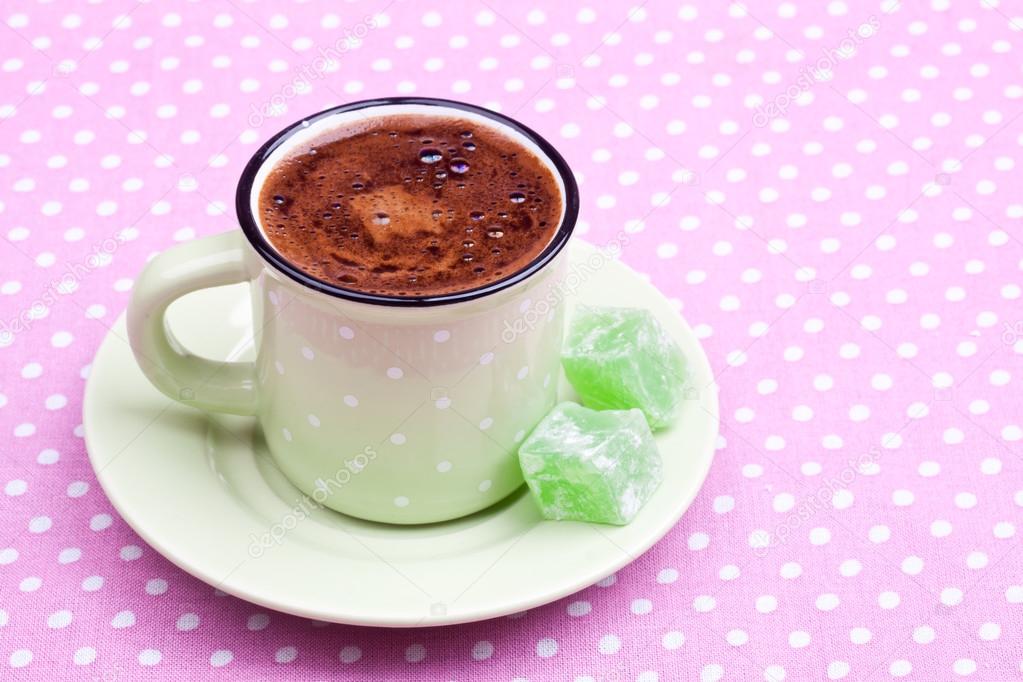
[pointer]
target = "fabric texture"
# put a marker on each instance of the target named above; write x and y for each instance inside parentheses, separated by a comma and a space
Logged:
(827, 190)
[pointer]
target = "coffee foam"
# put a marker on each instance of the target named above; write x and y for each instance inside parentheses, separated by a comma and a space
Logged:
(392, 221)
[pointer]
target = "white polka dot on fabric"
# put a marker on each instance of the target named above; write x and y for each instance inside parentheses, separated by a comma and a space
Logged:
(220, 658)
(672, 640)
(20, 658)
(149, 657)
(258, 621)
(667, 576)
(546, 647)
(482, 650)
(187, 622)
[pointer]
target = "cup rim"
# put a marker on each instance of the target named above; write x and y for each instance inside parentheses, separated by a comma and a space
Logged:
(261, 244)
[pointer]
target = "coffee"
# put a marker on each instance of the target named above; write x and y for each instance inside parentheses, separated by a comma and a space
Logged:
(411, 205)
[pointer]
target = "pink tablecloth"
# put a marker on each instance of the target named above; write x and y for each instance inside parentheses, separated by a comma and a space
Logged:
(828, 190)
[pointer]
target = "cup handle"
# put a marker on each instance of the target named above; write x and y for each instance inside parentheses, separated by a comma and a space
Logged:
(210, 385)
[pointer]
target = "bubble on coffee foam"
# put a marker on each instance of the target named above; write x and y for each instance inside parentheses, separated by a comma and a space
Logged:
(430, 155)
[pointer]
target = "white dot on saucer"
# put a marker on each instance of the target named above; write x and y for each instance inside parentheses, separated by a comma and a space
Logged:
(395, 373)
(313, 420)
(279, 366)
(346, 333)
(308, 353)
(286, 434)
(351, 401)
(444, 466)
(441, 335)
(484, 486)
(398, 438)
(486, 358)
(523, 373)
(519, 435)
(401, 501)
(486, 423)
(442, 403)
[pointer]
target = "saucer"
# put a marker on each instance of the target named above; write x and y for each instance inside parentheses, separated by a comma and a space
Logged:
(203, 491)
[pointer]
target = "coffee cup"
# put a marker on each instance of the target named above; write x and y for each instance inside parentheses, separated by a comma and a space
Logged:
(397, 409)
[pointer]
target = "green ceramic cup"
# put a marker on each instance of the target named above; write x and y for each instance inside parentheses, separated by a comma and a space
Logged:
(401, 410)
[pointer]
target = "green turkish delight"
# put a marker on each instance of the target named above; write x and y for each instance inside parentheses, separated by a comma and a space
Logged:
(622, 358)
(585, 465)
